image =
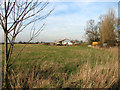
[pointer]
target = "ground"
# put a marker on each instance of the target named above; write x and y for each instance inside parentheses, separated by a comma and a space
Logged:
(64, 66)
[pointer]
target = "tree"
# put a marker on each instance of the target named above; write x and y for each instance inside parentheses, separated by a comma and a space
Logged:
(92, 31)
(107, 28)
(15, 16)
(101, 19)
(117, 29)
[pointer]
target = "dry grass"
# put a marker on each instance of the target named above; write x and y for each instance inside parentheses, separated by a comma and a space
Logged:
(98, 77)
(111, 49)
(79, 72)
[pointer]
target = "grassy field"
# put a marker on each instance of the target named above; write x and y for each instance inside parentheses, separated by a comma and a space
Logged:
(0, 66)
(40, 66)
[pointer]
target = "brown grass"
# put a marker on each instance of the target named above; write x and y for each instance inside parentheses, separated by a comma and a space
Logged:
(98, 77)
(48, 75)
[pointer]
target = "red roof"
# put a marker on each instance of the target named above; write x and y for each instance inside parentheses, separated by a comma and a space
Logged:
(72, 41)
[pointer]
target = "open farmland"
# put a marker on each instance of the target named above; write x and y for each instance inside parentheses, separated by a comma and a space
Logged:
(40, 66)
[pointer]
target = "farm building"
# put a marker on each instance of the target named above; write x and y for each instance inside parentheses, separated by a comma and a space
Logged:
(65, 42)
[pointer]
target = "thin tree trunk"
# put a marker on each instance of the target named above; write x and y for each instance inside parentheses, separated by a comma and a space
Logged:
(5, 45)
(5, 56)
(5, 49)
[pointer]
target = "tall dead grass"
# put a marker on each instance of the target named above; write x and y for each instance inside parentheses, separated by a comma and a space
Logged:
(101, 76)
(48, 75)
(98, 77)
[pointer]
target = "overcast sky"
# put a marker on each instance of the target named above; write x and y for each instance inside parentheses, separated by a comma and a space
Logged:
(68, 20)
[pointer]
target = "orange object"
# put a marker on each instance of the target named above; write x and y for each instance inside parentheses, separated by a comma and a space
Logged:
(94, 43)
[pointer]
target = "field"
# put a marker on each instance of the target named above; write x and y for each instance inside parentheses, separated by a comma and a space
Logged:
(40, 66)
(0, 66)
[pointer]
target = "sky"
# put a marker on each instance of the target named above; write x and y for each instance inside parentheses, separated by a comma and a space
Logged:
(68, 20)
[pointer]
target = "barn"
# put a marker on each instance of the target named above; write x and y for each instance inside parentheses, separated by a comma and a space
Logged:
(64, 42)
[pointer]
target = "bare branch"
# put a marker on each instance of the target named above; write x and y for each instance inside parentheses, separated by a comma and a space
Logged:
(1, 23)
(16, 21)
(35, 35)
(11, 9)
(40, 18)
(8, 5)
(36, 12)
(1, 8)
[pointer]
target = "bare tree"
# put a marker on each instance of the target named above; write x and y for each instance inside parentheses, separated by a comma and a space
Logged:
(107, 28)
(15, 16)
(92, 31)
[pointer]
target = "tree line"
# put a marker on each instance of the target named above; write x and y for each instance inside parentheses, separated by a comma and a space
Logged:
(105, 31)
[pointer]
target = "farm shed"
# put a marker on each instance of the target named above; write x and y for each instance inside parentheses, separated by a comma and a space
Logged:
(65, 42)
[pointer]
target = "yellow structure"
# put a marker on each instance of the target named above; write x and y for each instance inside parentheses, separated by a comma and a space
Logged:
(94, 43)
